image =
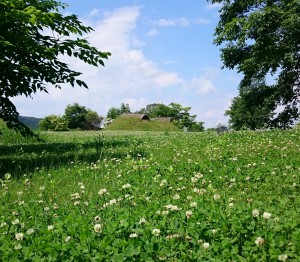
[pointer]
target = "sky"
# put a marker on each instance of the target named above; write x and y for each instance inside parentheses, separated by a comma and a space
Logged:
(162, 52)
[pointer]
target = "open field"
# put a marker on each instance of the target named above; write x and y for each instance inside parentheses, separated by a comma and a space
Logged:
(150, 196)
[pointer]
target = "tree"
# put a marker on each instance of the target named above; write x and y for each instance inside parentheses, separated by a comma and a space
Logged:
(53, 123)
(261, 39)
(92, 120)
(125, 109)
(179, 115)
(114, 112)
(252, 109)
(76, 116)
(29, 58)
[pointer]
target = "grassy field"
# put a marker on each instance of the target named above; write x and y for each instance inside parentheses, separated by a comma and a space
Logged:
(150, 196)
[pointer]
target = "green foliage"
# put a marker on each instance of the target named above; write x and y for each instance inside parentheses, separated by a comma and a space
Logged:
(92, 120)
(53, 123)
(252, 109)
(259, 39)
(178, 114)
(148, 196)
(75, 117)
(29, 58)
(114, 112)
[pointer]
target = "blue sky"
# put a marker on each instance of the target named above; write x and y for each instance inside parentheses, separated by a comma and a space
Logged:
(162, 51)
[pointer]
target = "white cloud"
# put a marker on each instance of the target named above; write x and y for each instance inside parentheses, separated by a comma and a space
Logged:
(172, 22)
(94, 12)
(213, 6)
(152, 32)
(202, 86)
(202, 21)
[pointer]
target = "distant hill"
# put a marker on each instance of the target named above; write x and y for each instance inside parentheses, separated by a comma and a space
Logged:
(31, 122)
(137, 122)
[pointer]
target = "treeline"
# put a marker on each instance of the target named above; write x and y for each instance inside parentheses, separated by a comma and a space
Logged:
(77, 117)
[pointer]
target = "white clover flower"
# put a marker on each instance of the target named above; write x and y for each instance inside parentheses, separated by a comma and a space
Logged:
(196, 190)
(67, 239)
(142, 221)
(46, 208)
(172, 236)
(19, 236)
(3, 224)
(126, 186)
(156, 232)
(267, 215)
(188, 213)
(55, 206)
(216, 197)
(133, 235)
(97, 218)
(50, 227)
(193, 204)
(214, 231)
(175, 197)
(259, 241)
(283, 257)
(255, 212)
(19, 193)
(18, 247)
(42, 188)
(15, 222)
(98, 228)
(163, 182)
(112, 201)
(189, 197)
(231, 205)
(86, 203)
(165, 212)
(30, 231)
(205, 245)
(75, 196)
(76, 203)
(102, 191)
(202, 191)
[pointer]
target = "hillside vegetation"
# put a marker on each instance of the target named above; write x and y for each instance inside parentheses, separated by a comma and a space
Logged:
(135, 124)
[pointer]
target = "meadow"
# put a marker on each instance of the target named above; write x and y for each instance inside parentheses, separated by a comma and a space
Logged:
(150, 196)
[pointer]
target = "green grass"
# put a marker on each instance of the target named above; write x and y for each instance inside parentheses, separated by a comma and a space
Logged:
(152, 196)
(135, 124)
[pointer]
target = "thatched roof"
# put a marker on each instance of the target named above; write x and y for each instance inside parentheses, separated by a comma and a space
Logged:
(139, 116)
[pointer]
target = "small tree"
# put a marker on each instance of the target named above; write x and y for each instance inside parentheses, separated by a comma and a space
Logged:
(53, 123)
(92, 120)
(75, 115)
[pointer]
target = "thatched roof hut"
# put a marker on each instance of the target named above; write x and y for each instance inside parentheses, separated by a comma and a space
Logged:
(139, 116)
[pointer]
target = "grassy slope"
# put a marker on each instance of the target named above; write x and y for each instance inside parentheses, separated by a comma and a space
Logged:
(138, 125)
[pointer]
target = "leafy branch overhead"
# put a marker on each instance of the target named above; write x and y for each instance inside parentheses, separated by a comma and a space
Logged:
(261, 40)
(33, 35)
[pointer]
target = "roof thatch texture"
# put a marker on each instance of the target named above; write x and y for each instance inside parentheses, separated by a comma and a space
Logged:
(139, 116)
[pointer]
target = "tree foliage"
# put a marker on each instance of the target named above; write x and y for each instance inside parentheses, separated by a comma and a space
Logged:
(75, 117)
(261, 39)
(179, 115)
(114, 112)
(29, 57)
(53, 123)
